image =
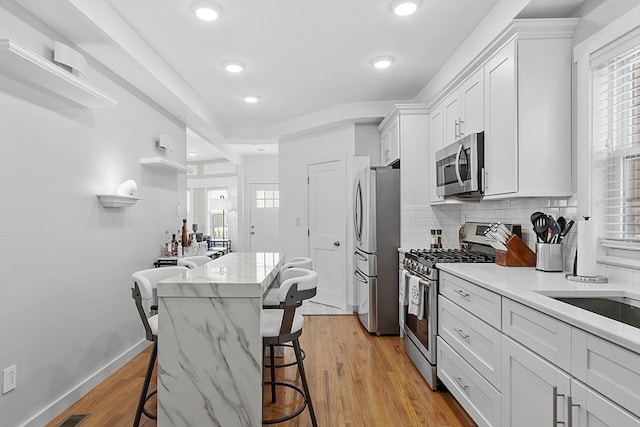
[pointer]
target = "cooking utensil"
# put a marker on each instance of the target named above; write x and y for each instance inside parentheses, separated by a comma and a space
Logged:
(554, 230)
(561, 222)
(538, 219)
(565, 229)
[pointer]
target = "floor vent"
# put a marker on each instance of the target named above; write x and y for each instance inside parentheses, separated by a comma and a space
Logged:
(74, 420)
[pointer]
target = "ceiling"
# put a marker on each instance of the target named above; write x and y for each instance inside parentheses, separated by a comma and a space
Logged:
(308, 60)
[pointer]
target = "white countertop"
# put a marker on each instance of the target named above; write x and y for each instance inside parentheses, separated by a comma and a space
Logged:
(235, 275)
(527, 286)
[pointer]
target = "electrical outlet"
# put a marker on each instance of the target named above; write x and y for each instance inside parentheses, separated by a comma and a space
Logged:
(9, 379)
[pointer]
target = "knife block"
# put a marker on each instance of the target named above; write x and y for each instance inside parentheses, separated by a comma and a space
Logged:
(517, 254)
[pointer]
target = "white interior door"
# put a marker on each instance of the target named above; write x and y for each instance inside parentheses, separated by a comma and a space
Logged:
(264, 213)
(327, 224)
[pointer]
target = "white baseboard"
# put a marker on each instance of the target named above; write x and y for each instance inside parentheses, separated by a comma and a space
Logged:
(69, 398)
(352, 308)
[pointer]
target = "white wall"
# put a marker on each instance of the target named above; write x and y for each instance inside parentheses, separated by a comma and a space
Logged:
(294, 154)
(67, 318)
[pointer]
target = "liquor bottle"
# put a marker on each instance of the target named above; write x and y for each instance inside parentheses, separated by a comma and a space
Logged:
(174, 245)
(184, 238)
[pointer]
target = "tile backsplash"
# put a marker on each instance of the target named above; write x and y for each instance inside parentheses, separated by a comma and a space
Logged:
(417, 222)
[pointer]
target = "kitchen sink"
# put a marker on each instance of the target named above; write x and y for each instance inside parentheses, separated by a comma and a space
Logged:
(622, 309)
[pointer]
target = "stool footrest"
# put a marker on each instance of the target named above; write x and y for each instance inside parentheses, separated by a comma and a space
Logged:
(292, 363)
(294, 413)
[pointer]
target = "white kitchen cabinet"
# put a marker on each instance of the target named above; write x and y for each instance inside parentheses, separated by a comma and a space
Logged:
(477, 342)
(405, 131)
(612, 370)
(544, 335)
(528, 114)
(463, 110)
(590, 409)
(436, 143)
(534, 392)
(477, 396)
(390, 144)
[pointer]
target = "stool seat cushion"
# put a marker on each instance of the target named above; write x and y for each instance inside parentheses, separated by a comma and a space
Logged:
(272, 319)
(153, 324)
(272, 298)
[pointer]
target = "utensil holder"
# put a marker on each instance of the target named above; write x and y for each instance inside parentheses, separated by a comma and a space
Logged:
(549, 256)
(517, 254)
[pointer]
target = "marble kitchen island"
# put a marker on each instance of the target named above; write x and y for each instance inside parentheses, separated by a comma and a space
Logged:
(209, 343)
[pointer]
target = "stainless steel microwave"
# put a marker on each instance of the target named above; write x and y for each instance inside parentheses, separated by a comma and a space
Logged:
(460, 168)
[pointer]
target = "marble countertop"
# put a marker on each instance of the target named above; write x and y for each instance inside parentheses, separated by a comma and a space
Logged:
(534, 288)
(235, 275)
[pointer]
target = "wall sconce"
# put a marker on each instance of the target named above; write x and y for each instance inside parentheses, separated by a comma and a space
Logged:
(123, 198)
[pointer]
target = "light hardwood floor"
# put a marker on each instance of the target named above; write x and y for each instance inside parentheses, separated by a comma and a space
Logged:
(356, 380)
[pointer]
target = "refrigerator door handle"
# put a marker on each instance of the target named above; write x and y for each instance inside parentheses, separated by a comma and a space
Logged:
(360, 277)
(359, 256)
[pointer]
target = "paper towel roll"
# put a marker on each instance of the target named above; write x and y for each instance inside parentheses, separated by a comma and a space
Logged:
(587, 242)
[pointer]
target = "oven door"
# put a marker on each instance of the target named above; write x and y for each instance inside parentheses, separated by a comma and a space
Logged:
(422, 332)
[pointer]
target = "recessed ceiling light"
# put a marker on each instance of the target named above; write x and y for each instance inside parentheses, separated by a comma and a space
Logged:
(381, 62)
(206, 10)
(404, 7)
(233, 66)
(192, 154)
(250, 98)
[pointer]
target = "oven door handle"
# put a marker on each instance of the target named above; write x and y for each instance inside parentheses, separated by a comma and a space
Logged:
(359, 256)
(458, 175)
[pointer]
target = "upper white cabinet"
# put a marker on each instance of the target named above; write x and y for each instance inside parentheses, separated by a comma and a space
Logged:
(518, 91)
(464, 109)
(390, 144)
(436, 142)
(404, 135)
(528, 112)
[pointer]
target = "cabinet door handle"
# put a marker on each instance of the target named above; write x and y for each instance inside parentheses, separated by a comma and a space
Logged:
(460, 122)
(462, 293)
(461, 333)
(570, 406)
(555, 406)
(459, 381)
(456, 129)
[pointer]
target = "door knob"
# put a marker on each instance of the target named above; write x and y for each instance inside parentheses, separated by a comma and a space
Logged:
(336, 243)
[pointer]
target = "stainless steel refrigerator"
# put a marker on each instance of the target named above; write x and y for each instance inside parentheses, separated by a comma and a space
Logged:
(376, 216)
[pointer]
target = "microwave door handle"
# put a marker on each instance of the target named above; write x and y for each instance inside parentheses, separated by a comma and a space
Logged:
(458, 154)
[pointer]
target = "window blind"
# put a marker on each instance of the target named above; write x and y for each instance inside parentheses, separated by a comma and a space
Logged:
(616, 149)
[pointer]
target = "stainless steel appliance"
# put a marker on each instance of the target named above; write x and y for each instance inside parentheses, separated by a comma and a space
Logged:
(377, 238)
(460, 168)
(420, 334)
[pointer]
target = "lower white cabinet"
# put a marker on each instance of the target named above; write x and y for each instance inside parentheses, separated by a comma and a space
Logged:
(476, 395)
(534, 392)
(590, 409)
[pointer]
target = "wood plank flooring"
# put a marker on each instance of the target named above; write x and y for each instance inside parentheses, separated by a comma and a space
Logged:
(356, 380)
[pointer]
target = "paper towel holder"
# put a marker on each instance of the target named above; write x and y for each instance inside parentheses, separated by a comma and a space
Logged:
(584, 279)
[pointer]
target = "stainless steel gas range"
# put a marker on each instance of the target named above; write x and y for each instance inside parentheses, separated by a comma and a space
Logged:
(420, 272)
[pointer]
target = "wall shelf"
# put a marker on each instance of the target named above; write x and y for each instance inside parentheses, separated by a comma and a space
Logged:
(162, 163)
(117, 201)
(23, 64)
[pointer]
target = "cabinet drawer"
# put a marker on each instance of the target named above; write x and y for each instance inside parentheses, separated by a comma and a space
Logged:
(479, 398)
(477, 342)
(608, 368)
(476, 299)
(544, 335)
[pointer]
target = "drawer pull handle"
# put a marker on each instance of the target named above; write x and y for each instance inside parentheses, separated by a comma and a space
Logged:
(555, 406)
(462, 293)
(570, 406)
(459, 381)
(461, 333)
